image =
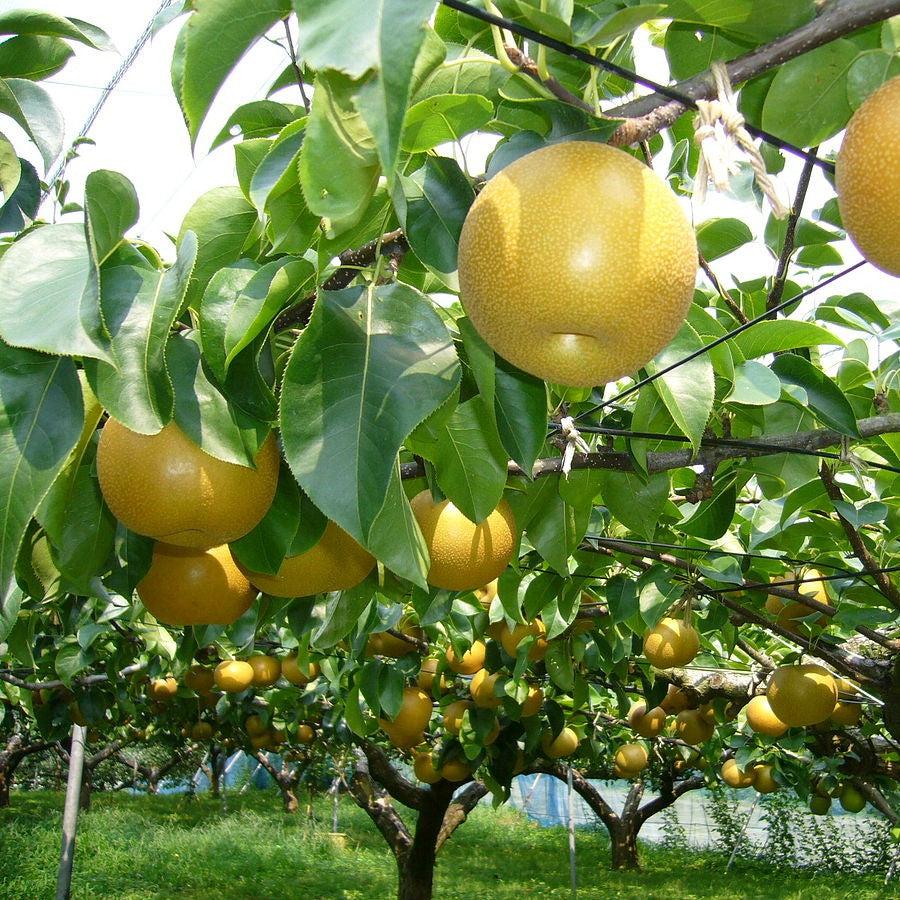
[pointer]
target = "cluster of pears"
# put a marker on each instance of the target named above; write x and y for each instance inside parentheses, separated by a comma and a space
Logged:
(759, 776)
(482, 690)
(791, 614)
(193, 505)
(692, 724)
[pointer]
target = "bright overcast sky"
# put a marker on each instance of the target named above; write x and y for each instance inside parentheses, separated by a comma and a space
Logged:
(140, 132)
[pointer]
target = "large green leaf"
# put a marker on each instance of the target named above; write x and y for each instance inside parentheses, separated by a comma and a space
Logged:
(381, 38)
(222, 219)
(757, 20)
(688, 391)
(32, 108)
(257, 119)
(139, 307)
(29, 21)
(637, 503)
(370, 366)
(437, 198)
(22, 206)
(807, 102)
(49, 294)
(10, 167)
(216, 36)
(719, 237)
(690, 51)
(338, 163)
(782, 334)
(469, 458)
(41, 418)
(869, 71)
(33, 56)
(111, 208)
(823, 397)
(520, 401)
(444, 118)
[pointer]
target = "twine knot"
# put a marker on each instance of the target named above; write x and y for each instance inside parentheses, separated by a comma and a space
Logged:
(720, 133)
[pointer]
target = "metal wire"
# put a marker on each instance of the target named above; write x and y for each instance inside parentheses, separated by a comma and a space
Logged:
(597, 61)
(769, 313)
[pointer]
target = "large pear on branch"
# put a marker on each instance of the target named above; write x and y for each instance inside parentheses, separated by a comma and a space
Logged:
(867, 176)
(577, 264)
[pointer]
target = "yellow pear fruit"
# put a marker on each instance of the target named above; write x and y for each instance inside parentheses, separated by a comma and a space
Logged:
(464, 555)
(867, 177)
(671, 643)
(802, 695)
(762, 720)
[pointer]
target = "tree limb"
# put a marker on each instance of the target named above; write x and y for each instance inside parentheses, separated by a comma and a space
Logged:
(652, 113)
(376, 804)
(670, 793)
(709, 456)
(878, 800)
(380, 768)
(585, 790)
(459, 809)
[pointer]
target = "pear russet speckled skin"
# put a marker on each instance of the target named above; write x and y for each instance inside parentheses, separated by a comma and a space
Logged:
(867, 178)
(165, 487)
(577, 264)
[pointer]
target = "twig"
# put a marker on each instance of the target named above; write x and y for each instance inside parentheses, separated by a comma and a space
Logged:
(787, 248)
(717, 286)
(293, 54)
(882, 579)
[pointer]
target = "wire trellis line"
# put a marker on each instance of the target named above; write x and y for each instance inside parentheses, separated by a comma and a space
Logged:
(768, 314)
(598, 62)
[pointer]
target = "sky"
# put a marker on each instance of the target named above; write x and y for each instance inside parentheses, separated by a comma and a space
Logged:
(140, 132)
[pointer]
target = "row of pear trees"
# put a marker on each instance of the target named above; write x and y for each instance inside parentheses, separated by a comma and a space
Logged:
(278, 487)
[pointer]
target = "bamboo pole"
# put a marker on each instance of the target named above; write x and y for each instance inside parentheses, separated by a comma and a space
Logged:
(70, 814)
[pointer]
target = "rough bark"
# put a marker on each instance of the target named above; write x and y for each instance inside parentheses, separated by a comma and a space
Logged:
(286, 778)
(5, 779)
(11, 756)
(416, 865)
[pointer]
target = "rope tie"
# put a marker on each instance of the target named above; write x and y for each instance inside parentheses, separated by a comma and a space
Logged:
(574, 441)
(720, 133)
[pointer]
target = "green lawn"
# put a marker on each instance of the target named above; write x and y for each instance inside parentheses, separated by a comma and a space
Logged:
(130, 848)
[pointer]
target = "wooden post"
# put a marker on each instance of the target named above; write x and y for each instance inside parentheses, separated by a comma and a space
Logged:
(573, 872)
(335, 787)
(737, 843)
(70, 814)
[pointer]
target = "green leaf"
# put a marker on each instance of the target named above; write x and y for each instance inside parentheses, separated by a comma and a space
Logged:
(139, 308)
(437, 198)
(30, 106)
(372, 363)
(823, 397)
(291, 515)
(520, 402)
(111, 207)
(690, 51)
(341, 612)
(656, 593)
(622, 598)
(868, 72)
(754, 385)
(712, 518)
(444, 118)
(216, 36)
(719, 237)
(469, 459)
(258, 119)
(560, 665)
(22, 206)
(782, 334)
(49, 294)
(807, 102)
(34, 57)
(88, 531)
(41, 417)
(203, 413)
(621, 23)
(338, 163)
(222, 220)
(10, 167)
(689, 390)
(71, 660)
(234, 322)
(637, 503)
(758, 20)
(27, 21)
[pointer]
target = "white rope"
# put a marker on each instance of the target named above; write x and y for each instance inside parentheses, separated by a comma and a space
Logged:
(574, 441)
(105, 93)
(720, 133)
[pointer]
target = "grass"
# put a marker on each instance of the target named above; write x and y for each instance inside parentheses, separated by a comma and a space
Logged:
(152, 847)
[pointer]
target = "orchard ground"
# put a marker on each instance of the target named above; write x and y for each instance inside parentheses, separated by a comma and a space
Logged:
(130, 848)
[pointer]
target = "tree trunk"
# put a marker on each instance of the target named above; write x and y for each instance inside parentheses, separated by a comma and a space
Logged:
(152, 785)
(623, 839)
(5, 779)
(214, 779)
(291, 804)
(415, 867)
